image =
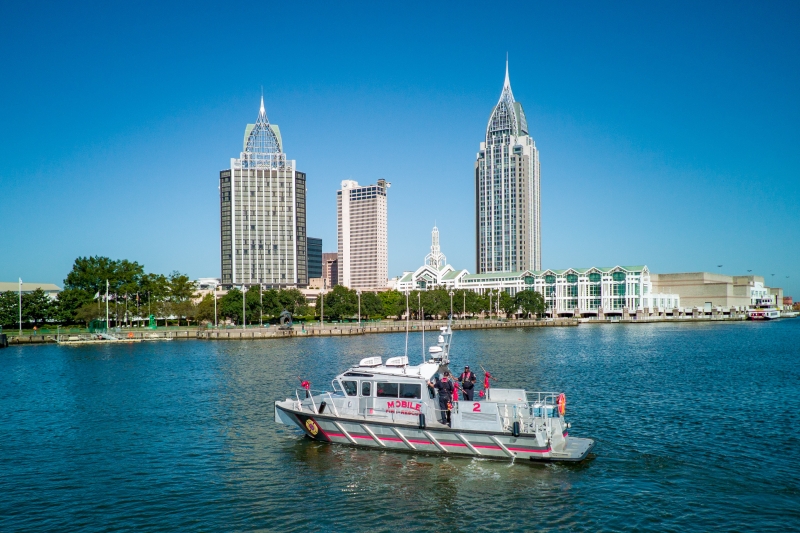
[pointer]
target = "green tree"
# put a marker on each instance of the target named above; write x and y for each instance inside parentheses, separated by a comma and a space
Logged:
(531, 302)
(9, 308)
(205, 309)
(272, 303)
(371, 305)
(508, 304)
(230, 306)
(88, 312)
(340, 302)
(393, 303)
(69, 301)
(293, 301)
(252, 304)
(37, 307)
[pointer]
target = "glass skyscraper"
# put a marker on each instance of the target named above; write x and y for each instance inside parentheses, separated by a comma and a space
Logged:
(263, 213)
(507, 197)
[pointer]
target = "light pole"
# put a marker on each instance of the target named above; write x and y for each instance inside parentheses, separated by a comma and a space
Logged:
(490, 304)
(451, 305)
(464, 313)
(107, 306)
(322, 304)
(244, 316)
(358, 293)
(260, 306)
(20, 306)
(215, 307)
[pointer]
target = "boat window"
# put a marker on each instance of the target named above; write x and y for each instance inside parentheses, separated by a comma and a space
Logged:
(386, 390)
(410, 390)
(366, 389)
(350, 387)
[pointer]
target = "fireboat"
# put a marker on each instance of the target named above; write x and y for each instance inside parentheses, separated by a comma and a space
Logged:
(390, 405)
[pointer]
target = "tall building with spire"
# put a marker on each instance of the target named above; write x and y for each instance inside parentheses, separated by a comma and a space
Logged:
(436, 258)
(262, 200)
(507, 195)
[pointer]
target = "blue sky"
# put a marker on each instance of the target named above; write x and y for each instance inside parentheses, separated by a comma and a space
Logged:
(667, 131)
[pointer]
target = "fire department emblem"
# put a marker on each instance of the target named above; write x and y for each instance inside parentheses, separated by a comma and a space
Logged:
(312, 427)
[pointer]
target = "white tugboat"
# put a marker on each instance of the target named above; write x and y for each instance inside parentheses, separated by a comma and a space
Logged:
(390, 406)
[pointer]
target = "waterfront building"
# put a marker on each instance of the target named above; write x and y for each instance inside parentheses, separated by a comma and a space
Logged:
(314, 257)
(363, 256)
(507, 195)
(708, 289)
(49, 289)
(330, 268)
(583, 292)
(263, 213)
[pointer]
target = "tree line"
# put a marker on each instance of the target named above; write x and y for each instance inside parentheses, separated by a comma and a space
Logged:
(342, 302)
(134, 294)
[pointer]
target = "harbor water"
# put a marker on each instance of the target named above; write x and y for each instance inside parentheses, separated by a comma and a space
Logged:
(696, 428)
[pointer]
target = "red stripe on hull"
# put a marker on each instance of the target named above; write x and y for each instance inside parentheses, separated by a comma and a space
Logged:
(451, 444)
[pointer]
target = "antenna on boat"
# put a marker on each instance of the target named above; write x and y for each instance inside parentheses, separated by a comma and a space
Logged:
(407, 313)
(422, 312)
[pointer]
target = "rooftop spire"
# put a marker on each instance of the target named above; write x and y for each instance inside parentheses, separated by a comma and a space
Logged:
(507, 83)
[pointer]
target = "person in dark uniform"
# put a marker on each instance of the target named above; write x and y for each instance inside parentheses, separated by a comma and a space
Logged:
(467, 380)
(445, 389)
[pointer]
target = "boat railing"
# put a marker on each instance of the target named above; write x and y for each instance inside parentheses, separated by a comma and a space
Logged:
(302, 395)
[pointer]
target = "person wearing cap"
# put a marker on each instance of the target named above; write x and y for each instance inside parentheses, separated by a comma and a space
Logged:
(444, 387)
(467, 380)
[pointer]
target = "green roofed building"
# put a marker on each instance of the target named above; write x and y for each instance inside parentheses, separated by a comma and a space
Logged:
(570, 292)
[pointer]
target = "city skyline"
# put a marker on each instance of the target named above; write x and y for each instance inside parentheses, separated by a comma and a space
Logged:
(674, 126)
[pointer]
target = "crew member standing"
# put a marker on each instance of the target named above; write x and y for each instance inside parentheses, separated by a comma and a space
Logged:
(445, 388)
(467, 380)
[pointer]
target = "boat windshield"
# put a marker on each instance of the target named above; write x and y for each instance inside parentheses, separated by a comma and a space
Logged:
(350, 387)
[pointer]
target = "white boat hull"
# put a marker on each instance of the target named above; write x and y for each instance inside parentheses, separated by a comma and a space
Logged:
(434, 438)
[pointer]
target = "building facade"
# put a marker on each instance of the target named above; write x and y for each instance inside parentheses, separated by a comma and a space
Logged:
(507, 195)
(363, 256)
(263, 213)
(330, 269)
(314, 257)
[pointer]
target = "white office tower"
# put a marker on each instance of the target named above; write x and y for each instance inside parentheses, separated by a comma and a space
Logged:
(508, 230)
(263, 213)
(363, 235)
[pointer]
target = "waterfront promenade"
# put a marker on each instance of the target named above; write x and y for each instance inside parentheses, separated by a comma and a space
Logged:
(298, 330)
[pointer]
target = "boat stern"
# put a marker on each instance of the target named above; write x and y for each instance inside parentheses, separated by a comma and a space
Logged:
(575, 449)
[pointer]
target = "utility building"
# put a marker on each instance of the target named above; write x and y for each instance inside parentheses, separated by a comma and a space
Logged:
(363, 235)
(263, 213)
(507, 196)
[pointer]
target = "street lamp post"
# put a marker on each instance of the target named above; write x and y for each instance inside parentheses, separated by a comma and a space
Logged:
(260, 306)
(358, 293)
(490, 304)
(464, 312)
(451, 305)
(215, 307)
(322, 304)
(244, 314)
(20, 306)
(107, 306)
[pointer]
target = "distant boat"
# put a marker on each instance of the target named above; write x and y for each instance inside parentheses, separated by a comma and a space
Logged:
(763, 310)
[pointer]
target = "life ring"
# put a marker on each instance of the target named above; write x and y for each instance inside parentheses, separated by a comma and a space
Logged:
(562, 404)
(130, 335)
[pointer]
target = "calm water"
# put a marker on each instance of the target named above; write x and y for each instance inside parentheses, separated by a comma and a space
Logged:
(697, 429)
